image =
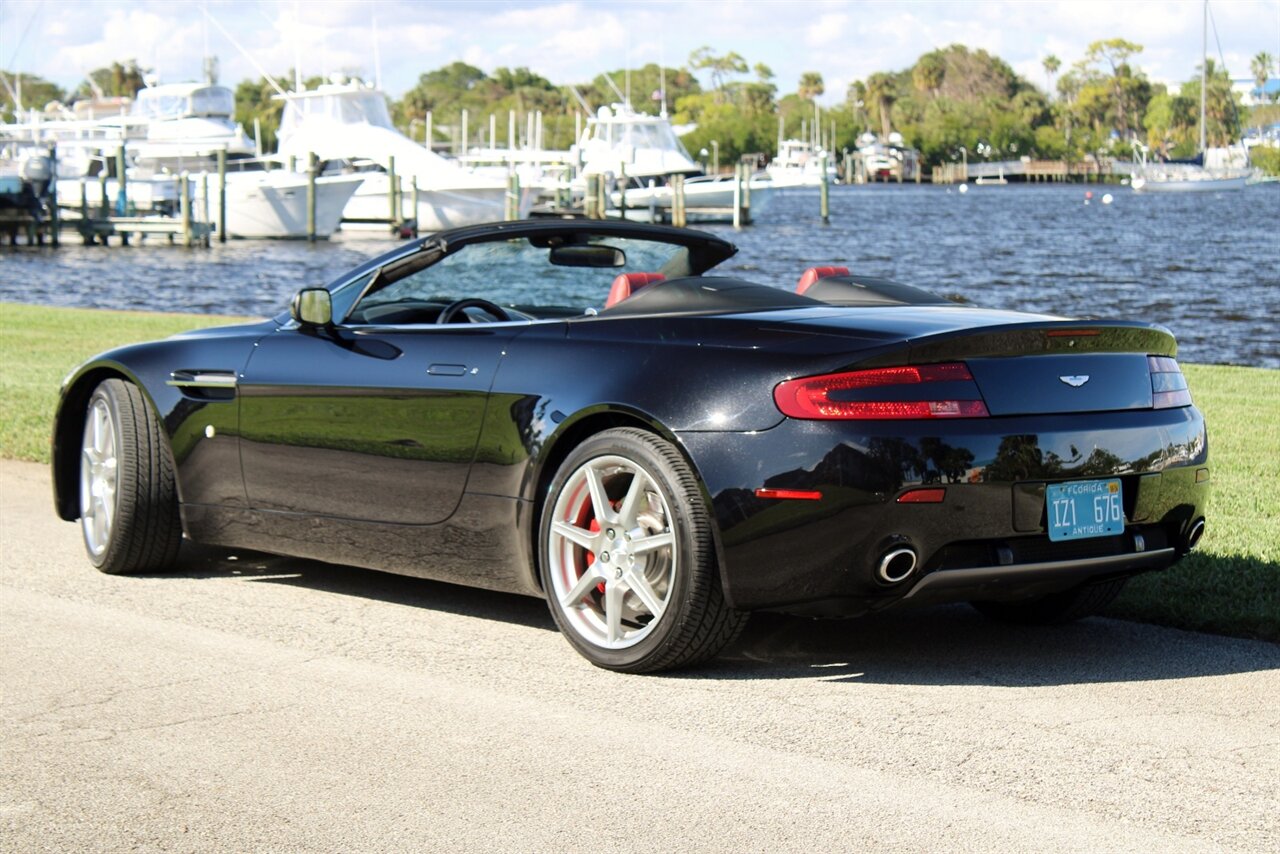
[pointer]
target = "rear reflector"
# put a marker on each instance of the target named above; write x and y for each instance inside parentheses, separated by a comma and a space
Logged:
(923, 496)
(1168, 385)
(795, 494)
(810, 397)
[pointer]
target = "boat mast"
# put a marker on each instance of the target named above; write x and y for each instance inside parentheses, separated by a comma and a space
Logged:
(1204, 63)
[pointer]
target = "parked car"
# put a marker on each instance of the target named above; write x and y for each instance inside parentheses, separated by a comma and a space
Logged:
(583, 411)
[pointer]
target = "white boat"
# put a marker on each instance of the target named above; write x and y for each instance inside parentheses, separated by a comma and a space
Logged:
(179, 128)
(885, 159)
(1186, 178)
(348, 121)
(706, 198)
(798, 165)
(619, 141)
(1201, 175)
(273, 204)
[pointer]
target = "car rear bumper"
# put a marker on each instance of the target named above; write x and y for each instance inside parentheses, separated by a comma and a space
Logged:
(986, 539)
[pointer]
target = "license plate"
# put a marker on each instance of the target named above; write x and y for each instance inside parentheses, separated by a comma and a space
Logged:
(1083, 509)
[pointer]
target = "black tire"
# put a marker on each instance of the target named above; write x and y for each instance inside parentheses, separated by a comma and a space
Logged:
(1054, 608)
(144, 531)
(694, 622)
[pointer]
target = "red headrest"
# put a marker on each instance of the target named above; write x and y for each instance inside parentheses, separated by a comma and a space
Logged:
(812, 275)
(628, 283)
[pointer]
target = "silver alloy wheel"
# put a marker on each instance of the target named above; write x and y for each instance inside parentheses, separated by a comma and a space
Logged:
(99, 470)
(612, 553)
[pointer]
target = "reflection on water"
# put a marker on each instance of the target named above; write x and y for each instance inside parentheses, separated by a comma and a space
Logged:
(1205, 265)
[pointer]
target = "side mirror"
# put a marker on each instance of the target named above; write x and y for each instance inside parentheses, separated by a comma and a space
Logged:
(312, 307)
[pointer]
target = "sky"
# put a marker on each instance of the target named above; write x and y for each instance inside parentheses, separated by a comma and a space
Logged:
(573, 40)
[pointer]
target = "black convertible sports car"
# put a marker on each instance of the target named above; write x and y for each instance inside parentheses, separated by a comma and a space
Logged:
(694, 448)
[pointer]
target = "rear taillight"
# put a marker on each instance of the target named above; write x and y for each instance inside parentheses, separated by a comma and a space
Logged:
(912, 391)
(1168, 385)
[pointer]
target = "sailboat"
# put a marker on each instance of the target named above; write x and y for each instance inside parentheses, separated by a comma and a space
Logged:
(1189, 176)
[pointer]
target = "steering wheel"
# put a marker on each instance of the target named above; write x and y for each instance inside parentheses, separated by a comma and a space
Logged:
(455, 308)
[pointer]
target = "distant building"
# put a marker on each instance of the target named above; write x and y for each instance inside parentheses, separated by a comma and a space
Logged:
(1251, 95)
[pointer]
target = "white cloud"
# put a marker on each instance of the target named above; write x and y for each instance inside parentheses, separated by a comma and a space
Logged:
(828, 29)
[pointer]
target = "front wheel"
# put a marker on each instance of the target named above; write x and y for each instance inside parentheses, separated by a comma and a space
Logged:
(128, 498)
(627, 557)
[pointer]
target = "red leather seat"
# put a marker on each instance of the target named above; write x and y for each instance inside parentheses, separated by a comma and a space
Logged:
(813, 274)
(628, 283)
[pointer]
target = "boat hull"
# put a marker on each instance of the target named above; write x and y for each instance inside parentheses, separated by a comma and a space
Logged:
(1203, 185)
(697, 194)
(273, 205)
(370, 207)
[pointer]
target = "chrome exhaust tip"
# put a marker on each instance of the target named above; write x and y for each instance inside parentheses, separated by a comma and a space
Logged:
(896, 565)
(1194, 535)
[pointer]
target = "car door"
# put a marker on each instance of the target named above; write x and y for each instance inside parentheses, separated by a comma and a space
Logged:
(371, 423)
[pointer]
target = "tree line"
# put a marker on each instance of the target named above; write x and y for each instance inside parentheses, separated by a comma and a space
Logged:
(951, 103)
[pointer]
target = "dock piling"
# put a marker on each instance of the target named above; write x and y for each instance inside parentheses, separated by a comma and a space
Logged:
(413, 186)
(622, 190)
(184, 204)
(392, 208)
(512, 207)
(311, 197)
(122, 181)
(737, 195)
(678, 218)
(824, 192)
(54, 225)
(204, 208)
(222, 195)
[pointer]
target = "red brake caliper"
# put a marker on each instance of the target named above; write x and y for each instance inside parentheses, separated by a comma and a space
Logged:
(588, 520)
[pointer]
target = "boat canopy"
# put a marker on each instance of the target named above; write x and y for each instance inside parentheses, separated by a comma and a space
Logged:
(639, 132)
(347, 105)
(184, 100)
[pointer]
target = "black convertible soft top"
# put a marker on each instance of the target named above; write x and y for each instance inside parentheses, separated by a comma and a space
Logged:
(708, 294)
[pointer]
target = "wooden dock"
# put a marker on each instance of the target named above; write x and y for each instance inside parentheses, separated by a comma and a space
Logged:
(1034, 171)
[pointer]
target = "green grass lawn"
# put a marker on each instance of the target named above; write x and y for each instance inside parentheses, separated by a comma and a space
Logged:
(1231, 584)
(40, 345)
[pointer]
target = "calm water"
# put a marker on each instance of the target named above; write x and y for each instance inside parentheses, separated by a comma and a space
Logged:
(1207, 266)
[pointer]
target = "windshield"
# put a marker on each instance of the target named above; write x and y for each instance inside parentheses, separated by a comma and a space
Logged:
(508, 272)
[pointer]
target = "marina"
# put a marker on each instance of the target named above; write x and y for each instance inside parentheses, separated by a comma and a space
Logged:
(1034, 248)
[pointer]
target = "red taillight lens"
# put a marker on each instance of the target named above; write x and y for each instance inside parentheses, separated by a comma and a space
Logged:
(811, 397)
(1168, 385)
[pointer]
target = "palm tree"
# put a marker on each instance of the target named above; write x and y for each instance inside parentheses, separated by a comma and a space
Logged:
(811, 85)
(1261, 68)
(1051, 65)
(880, 91)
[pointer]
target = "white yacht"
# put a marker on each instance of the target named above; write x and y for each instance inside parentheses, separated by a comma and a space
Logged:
(187, 124)
(348, 121)
(798, 165)
(176, 128)
(619, 140)
(885, 159)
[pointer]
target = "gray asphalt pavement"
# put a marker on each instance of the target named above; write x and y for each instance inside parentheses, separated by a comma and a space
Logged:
(254, 703)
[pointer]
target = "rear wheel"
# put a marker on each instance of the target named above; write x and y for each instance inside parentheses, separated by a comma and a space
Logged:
(627, 557)
(128, 499)
(1062, 607)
